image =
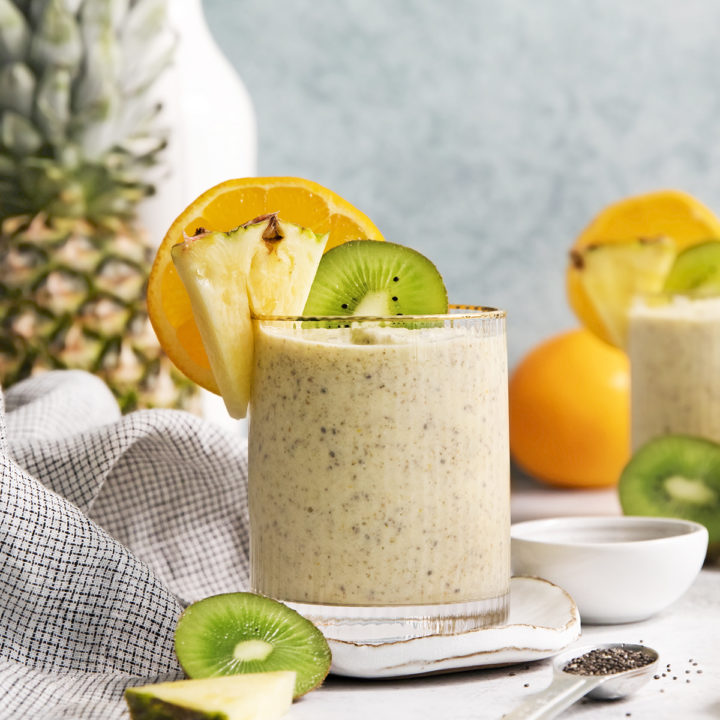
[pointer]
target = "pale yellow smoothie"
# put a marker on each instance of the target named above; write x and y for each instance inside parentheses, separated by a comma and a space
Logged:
(674, 350)
(379, 464)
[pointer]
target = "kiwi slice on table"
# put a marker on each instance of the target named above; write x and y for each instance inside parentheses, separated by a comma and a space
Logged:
(247, 633)
(370, 277)
(675, 476)
(696, 271)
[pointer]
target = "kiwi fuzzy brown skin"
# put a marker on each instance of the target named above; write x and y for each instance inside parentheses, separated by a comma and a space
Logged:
(209, 631)
(644, 487)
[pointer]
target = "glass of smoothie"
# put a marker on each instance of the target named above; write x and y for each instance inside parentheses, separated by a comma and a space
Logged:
(379, 471)
(674, 350)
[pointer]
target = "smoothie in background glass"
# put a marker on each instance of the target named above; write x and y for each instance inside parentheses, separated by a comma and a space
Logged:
(379, 469)
(674, 350)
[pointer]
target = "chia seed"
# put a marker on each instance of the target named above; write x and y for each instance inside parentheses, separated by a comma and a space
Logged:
(607, 661)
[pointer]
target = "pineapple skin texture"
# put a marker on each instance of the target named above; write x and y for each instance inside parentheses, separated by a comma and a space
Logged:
(77, 148)
(72, 296)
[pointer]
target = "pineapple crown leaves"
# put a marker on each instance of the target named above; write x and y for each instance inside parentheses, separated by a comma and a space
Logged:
(78, 116)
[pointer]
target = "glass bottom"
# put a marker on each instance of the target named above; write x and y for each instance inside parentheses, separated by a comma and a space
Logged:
(387, 623)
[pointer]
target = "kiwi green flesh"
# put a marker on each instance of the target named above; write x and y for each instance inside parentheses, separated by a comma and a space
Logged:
(674, 476)
(229, 633)
(369, 277)
(696, 271)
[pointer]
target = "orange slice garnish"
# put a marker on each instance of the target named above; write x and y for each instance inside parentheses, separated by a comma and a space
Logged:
(222, 208)
(661, 214)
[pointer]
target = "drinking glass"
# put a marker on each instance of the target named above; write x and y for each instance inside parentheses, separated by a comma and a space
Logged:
(379, 471)
(674, 351)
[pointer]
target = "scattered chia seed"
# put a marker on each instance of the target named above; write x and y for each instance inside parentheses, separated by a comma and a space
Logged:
(607, 661)
(526, 685)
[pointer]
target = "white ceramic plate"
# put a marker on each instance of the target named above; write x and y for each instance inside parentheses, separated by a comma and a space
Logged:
(542, 621)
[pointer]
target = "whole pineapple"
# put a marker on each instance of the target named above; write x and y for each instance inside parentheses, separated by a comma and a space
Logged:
(78, 139)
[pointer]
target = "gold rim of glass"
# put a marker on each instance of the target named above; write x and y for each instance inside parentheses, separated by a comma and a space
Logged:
(455, 312)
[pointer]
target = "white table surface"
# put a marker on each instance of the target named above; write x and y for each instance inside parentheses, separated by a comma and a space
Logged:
(684, 634)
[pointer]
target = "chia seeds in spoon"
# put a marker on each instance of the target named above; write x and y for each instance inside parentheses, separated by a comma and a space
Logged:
(607, 661)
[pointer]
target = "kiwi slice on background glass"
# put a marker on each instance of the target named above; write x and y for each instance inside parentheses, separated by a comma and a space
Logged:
(696, 271)
(675, 476)
(368, 277)
(247, 633)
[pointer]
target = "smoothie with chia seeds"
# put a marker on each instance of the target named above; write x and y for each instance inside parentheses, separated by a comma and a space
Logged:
(674, 350)
(379, 463)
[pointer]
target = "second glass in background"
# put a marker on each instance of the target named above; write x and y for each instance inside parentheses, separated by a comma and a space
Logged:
(674, 350)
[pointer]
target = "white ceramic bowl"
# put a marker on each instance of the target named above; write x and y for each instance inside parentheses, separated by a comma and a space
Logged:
(617, 569)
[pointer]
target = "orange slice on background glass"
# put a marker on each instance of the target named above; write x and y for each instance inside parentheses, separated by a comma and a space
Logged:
(225, 207)
(640, 220)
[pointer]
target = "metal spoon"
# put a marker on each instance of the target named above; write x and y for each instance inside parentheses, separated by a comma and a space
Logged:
(566, 687)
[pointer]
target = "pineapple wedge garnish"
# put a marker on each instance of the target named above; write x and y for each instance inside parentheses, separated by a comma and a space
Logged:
(613, 274)
(265, 267)
(253, 696)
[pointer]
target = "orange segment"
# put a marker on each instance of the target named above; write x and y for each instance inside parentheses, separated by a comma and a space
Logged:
(224, 207)
(669, 213)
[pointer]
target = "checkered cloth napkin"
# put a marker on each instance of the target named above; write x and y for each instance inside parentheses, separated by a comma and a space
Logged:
(109, 525)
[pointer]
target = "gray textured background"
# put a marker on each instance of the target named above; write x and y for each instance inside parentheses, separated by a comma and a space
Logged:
(484, 133)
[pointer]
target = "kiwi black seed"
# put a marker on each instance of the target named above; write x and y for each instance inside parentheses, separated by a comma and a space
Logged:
(674, 476)
(370, 277)
(696, 271)
(244, 633)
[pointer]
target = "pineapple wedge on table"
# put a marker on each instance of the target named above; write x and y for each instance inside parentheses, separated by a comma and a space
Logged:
(253, 696)
(78, 137)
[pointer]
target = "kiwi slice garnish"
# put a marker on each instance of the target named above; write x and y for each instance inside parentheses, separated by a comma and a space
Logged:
(248, 633)
(696, 271)
(674, 476)
(370, 277)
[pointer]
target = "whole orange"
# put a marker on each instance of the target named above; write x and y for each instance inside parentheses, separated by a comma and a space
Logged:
(570, 411)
